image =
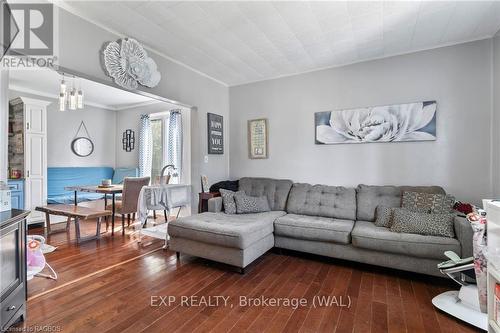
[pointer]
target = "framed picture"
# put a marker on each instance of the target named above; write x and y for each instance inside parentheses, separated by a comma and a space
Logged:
(204, 184)
(257, 139)
(215, 130)
(390, 123)
(128, 140)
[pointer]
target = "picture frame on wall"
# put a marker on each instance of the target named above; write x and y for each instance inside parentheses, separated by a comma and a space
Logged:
(215, 132)
(204, 184)
(258, 139)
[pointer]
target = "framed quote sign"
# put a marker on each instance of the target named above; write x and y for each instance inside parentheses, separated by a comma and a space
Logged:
(215, 131)
(257, 139)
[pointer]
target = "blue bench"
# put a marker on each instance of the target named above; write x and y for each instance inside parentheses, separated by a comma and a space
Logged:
(60, 177)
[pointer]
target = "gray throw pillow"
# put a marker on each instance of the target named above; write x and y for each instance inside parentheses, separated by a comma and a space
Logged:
(228, 201)
(406, 221)
(246, 204)
(434, 203)
(384, 216)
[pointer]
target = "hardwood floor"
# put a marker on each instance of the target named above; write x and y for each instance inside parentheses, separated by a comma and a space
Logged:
(107, 286)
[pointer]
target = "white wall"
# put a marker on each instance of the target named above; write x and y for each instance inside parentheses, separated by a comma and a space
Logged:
(496, 117)
(178, 83)
(457, 77)
(4, 121)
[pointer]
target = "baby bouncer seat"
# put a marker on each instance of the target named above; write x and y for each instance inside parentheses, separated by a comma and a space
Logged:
(35, 259)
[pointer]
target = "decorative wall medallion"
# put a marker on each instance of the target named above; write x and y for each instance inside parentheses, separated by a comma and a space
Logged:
(128, 140)
(129, 65)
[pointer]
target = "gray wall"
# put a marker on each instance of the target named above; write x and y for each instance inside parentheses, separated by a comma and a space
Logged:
(62, 127)
(130, 119)
(178, 83)
(457, 77)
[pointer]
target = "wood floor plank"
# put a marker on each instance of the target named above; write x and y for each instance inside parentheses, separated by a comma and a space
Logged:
(425, 307)
(363, 313)
(331, 318)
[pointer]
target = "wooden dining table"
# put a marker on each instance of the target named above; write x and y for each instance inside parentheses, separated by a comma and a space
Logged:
(112, 190)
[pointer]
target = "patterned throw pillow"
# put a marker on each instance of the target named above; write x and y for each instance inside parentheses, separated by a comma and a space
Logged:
(246, 204)
(228, 201)
(433, 203)
(423, 223)
(384, 216)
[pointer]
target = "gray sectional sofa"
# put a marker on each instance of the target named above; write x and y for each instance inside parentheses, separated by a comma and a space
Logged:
(331, 221)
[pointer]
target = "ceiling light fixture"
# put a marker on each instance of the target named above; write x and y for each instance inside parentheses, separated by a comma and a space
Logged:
(70, 98)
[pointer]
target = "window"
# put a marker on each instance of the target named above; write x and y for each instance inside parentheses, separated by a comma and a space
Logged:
(164, 127)
(157, 140)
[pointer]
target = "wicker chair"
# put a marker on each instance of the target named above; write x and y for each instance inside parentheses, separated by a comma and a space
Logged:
(128, 205)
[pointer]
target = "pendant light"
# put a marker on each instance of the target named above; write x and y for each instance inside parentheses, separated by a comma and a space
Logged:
(62, 95)
(79, 97)
(70, 98)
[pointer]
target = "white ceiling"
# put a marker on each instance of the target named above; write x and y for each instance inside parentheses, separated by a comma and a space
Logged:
(241, 42)
(46, 83)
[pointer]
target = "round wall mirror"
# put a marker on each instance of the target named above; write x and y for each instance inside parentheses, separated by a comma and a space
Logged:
(82, 146)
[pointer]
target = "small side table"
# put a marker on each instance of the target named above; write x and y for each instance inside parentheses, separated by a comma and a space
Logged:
(203, 200)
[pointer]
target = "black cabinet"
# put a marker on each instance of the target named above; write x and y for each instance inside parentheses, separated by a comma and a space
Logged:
(13, 267)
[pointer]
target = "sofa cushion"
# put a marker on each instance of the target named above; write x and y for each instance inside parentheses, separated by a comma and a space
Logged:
(368, 197)
(276, 190)
(235, 231)
(384, 216)
(321, 200)
(423, 223)
(228, 201)
(60, 177)
(367, 235)
(314, 228)
(246, 204)
(433, 203)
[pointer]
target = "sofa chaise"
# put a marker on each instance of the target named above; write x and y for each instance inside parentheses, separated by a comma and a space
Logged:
(331, 221)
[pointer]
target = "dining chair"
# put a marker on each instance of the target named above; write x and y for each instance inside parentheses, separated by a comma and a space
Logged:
(128, 204)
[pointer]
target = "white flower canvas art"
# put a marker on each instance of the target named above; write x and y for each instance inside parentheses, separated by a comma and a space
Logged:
(390, 123)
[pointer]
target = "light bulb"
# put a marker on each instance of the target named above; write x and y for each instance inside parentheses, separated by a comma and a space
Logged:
(72, 99)
(63, 86)
(62, 102)
(79, 99)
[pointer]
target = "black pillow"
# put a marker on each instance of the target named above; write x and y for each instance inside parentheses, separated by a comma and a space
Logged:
(231, 185)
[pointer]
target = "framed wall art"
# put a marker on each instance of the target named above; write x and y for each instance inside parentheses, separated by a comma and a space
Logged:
(215, 130)
(258, 139)
(128, 140)
(389, 123)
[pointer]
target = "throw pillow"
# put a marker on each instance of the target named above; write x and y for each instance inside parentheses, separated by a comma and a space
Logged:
(246, 204)
(384, 216)
(434, 203)
(406, 221)
(228, 201)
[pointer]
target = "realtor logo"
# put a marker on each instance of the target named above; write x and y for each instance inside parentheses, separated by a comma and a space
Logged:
(27, 35)
(28, 29)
